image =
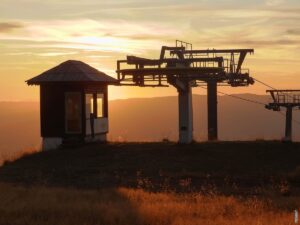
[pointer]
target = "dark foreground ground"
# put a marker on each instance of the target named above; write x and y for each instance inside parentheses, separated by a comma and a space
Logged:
(229, 183)
(239, 167)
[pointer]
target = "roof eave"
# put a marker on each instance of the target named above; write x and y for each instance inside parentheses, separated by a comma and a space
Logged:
(29, 83)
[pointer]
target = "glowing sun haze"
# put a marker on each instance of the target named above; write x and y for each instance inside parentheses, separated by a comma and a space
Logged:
(36, 35)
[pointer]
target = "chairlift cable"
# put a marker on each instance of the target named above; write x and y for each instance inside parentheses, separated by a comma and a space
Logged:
(251, 101)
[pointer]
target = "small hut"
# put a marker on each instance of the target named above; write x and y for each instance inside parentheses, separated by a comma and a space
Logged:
(73, 104)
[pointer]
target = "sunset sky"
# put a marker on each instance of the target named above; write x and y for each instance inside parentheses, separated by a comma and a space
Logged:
(36, 35)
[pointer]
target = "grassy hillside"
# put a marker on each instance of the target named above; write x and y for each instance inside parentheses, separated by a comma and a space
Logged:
(154, 183)
(244, 164)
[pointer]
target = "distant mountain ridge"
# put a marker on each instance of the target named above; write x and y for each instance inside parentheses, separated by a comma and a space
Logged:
(154, 119)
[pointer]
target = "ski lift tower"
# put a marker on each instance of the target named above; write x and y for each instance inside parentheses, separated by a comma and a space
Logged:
(185, 68)
(288, 99)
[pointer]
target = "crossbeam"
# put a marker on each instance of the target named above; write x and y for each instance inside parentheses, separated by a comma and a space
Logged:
(133, 60)
(215, 51)
(202, 72)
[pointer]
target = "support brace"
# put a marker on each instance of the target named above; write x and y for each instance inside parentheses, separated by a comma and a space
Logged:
(212, 111)
(185, 107)
(288, 123)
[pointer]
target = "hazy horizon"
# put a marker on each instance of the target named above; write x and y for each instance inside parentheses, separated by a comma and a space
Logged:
(137, 119)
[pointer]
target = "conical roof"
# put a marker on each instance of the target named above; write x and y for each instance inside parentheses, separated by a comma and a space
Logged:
(72, 71)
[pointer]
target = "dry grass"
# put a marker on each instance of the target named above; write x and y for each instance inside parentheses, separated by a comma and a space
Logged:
(44, 205)
(193, 208)
(216, 184)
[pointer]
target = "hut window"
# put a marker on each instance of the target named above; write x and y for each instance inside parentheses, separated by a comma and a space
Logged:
(92, 105)
(100, 105)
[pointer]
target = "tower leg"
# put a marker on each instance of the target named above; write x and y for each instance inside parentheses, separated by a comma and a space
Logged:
(288, 124)
(185, 107)
(212, 111)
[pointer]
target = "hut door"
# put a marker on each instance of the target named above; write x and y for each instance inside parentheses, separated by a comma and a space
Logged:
(73, 112)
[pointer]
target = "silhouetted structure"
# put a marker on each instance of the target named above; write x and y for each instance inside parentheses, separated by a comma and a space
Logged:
(185, 68)
(288, 99)
(73, 104)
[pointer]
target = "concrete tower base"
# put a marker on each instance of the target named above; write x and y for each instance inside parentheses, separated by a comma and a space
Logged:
(49, 143)
(185, 106)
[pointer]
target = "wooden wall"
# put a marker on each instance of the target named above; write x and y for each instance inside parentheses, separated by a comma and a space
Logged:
(52, 106)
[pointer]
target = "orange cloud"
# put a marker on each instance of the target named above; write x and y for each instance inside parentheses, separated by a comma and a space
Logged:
(9, 26)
